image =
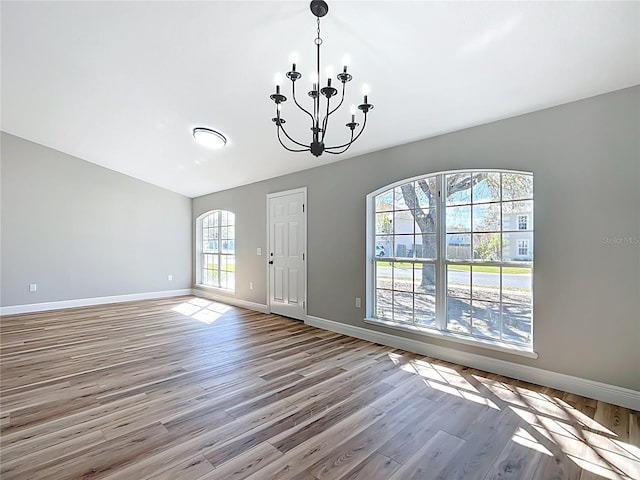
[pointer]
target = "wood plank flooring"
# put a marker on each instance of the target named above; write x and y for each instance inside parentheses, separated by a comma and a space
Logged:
(189, 389)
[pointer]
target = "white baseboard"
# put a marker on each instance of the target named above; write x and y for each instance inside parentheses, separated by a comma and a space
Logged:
(258, 307)
(580, 386)
(84, 302)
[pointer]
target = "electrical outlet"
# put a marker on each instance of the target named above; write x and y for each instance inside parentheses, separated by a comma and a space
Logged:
(170, 277)
(33, 287)
(258, 251)
(250, 285)
(358, 302)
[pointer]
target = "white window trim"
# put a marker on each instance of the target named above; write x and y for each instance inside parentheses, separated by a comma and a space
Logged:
(439, 331)
(202, 286)
(523, 350)
(198, 250)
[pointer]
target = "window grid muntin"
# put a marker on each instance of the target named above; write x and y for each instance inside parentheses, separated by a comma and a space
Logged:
(500, 304)
(391, 291)
(442, 263)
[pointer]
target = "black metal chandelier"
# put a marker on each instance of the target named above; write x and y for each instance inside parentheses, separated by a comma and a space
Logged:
(319, 122)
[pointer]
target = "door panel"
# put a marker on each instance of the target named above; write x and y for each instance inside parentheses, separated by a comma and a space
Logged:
(287, 244)
(293, 243)
(293, 286)
(278, 292)
(279, 242)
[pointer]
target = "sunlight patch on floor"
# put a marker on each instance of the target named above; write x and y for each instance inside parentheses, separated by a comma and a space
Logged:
(439, 373)
(502, 391)
(632, 450)
(588, 422)
(202, 310)
(442, 378)
(451, 390)
(593, 451)
(598, 469)
(524, 438)
(186, 309)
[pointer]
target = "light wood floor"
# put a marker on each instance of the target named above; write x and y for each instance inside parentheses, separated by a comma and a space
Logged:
(185, 389)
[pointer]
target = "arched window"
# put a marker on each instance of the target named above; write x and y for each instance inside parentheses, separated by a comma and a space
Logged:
(215, 246)
(452, 254)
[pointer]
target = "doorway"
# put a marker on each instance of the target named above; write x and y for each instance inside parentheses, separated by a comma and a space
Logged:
(287, 223)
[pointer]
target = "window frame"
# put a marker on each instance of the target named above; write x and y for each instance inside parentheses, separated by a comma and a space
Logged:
(200, 252)
(441, 263)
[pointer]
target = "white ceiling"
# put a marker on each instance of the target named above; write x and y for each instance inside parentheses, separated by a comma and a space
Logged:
(122, 84)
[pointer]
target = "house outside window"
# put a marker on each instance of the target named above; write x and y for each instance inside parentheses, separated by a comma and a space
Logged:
(523, 248)
(216, 250)
(523, 220)
(447, 254)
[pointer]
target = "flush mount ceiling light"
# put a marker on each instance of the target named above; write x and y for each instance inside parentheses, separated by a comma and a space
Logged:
(319, 8)
(209, 138)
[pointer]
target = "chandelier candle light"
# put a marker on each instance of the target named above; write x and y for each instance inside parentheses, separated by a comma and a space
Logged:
(319, 8)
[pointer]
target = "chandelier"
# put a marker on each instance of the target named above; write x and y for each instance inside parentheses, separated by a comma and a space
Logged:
(319, 115)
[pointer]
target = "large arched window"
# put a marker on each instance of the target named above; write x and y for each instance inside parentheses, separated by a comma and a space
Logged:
(215, 245)
(452, 254)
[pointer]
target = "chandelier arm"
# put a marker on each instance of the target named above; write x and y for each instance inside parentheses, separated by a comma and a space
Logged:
(364, 124)
(290, 149)
(291, 139)
(337, 153)
(293, 88)
(341, 100)
(325, 120)
(328, 150)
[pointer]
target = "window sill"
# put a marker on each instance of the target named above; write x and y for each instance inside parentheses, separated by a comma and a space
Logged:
(454, 337)
(214, 289)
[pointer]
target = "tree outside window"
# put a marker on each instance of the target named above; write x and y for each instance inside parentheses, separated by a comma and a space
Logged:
(459, 233)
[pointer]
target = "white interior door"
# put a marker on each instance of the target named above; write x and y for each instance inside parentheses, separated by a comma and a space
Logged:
(287, 250)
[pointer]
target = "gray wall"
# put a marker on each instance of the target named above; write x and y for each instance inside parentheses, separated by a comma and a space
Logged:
(78, 230)
(586, 162)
